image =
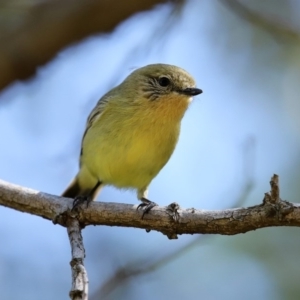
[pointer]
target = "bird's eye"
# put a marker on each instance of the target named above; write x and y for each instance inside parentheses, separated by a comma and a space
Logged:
(164, 81)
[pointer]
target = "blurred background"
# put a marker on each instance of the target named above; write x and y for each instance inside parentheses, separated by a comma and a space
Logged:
(57, 58)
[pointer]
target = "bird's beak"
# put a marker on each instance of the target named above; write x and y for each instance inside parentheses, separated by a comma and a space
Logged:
(191, 91)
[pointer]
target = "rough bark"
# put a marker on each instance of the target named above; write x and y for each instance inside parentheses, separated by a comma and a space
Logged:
(170, 220)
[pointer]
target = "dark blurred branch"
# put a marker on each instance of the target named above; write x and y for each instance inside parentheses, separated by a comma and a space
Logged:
(272, 212)
(143, 267)
(52, 25)
(274, 26)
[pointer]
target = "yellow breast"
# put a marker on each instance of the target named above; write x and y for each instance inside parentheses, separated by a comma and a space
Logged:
(128, 145)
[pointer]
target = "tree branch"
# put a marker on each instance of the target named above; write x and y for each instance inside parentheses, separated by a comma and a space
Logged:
(80, 281)
(272, 212)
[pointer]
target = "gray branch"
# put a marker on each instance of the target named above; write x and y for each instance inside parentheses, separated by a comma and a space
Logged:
(271, 212)
(80, 281)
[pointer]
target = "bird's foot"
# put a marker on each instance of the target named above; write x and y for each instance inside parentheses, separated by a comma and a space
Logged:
(79, 200)
(172, 210)
(146, 205)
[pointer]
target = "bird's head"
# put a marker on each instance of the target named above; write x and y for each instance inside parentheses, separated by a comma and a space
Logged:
(160, 82)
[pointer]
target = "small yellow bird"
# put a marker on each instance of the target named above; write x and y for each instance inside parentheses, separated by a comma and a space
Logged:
(132, 132)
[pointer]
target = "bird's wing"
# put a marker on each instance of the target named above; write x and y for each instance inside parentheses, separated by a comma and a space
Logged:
(94, 116)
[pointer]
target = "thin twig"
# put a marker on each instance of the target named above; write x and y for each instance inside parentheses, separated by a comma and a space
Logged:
(80, 281)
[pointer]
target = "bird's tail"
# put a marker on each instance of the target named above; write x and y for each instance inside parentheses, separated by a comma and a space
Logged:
(75, 189)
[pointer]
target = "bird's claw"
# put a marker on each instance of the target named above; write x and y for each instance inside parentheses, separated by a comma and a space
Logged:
(79, 200)
(146, 205)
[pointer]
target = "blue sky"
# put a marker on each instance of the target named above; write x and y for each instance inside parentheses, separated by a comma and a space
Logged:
(43, 118)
